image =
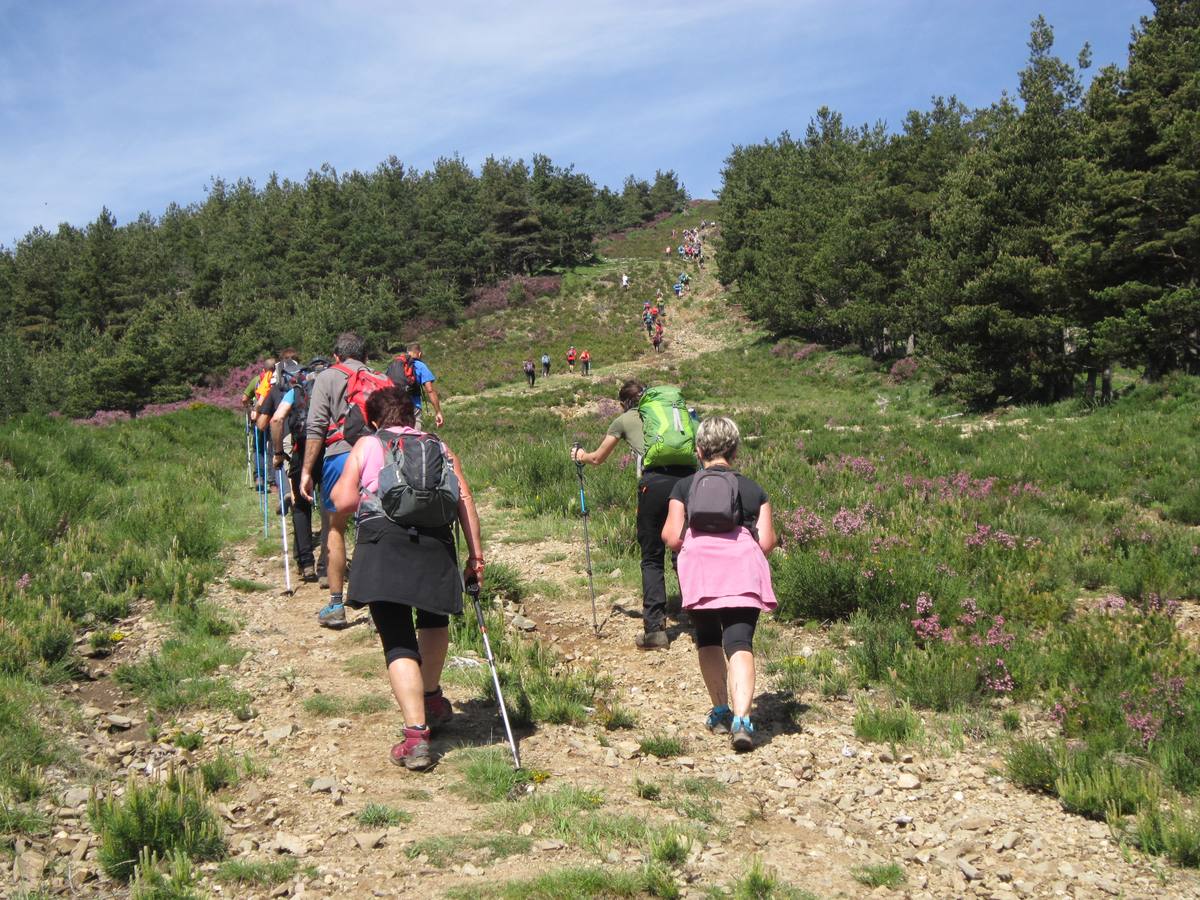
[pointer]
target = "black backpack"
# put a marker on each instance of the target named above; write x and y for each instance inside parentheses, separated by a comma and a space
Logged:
(713, 503)
(303, 386)
(403, 372)
(417, 484)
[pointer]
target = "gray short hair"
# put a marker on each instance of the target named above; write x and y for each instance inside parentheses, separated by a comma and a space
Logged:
(718, 436)
(350, 346)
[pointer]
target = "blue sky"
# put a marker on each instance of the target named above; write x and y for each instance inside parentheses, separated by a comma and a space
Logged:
(136, 104)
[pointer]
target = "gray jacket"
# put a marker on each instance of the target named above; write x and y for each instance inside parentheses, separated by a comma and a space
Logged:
(328, 404)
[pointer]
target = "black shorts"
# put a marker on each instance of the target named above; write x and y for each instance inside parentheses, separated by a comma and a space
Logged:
(731, 628)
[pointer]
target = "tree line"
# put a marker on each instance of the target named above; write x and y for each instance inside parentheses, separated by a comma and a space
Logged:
(112, 316)
(1022, 249)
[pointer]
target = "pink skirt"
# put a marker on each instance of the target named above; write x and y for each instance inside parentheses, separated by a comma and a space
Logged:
(717, 571)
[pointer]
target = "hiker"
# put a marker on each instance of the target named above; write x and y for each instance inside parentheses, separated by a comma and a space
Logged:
(335, 422)
(288, 422)
(648, 321)
(624, 281)
(670, 459)
(410, 372)
(657, 339)
(545, 365)
(684, 279)
(719, 522)
(252, 397)
(586, 359)
(530, 372)
(571, 358)
(399, 569)
(677, 287)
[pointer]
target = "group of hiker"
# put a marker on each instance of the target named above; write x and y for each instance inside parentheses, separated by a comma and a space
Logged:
(583, 357)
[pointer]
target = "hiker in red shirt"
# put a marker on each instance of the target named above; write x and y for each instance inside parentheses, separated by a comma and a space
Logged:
(571, 359)
(586, 359)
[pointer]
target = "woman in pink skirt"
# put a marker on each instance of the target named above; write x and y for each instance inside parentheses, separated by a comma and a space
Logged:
(719, 523)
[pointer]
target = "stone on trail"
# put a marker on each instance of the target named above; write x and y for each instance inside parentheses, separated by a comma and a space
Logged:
(30, 866)
(369, 840)
(907, 781)
(523, 623)
(76, 797)
(548, 845)
(969, 871)
(118, 723)
(289, 843)
(282, 733)
(323, 785)
(615, 573)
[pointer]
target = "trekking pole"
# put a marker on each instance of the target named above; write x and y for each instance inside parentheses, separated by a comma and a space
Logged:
(287, 566)
(261, 467)
(249, 465)
(587, 542)
(473, 592)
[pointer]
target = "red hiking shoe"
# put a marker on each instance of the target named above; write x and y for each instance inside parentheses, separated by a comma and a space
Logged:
(438, 710)
(413, 751)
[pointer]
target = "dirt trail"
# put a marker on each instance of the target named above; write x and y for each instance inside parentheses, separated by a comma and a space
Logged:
(811, 801)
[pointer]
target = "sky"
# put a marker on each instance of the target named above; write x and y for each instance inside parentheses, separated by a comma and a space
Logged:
(134, 105)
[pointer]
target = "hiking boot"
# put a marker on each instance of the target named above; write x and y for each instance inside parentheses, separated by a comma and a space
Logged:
(652, 640)
(438, 710)
(413, 751)
(308, 573)
(332, 616)
(741, 734)
(719, 719)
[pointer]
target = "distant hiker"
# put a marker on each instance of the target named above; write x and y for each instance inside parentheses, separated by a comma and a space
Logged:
(530, 371)
(586, 359)
(624, 281)
(677, 287)
(684, 279)
(336, 420)
(657, 338)
(719, 522)
(571, 359)
(667, 251)
(656, 419)
(288, 422)
(408, 490)
(654, 313)
(545, 364)
(252, 398)
(409, 371)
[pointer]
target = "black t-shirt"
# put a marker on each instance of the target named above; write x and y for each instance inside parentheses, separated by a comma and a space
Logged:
(750, 493)
(271, 402)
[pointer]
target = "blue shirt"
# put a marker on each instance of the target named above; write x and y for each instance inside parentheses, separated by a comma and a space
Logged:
(424, 377)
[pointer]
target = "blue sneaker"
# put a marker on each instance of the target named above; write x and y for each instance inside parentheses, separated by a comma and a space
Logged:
(741, 734)
(719, 719)
(332, 616)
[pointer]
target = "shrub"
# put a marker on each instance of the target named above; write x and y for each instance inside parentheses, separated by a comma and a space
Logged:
(1174, 833)
(1033, 765)
(1097, 789)
(156, 818)
(903, 369)
(889, 875)
(375, 815)
(170, 879)
(488, 775)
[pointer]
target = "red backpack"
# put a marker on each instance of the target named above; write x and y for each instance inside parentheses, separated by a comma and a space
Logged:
(352, 424)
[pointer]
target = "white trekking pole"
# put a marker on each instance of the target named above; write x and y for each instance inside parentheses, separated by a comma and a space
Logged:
(473, 593)
(287, 566)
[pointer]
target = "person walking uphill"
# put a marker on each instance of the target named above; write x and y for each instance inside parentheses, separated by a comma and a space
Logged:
(545, 365)
(530, 372)
(720, 524)
(409, 371)
(658, 428)
(408, 490)
(335, 422)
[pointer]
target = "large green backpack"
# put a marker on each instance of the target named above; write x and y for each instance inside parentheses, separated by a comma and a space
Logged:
(670, 432)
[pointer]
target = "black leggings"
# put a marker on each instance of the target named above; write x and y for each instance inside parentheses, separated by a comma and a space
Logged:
(394, 622)
(732, 628)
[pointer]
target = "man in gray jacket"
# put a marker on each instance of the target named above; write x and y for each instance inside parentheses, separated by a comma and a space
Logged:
(328, 407)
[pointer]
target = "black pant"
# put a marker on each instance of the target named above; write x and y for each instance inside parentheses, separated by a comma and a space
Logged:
(394, 622)
(654, 494)
(302, 511)
(545, 369)
(531, 375)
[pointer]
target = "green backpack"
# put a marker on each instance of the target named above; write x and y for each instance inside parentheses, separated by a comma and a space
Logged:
(670, 432)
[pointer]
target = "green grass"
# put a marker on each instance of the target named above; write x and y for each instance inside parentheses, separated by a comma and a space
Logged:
(188, 740)
(565, 884)
(256, 872)
(888, 875)
(661, 745)
(897, 725)
(247, 587)
(443, 851)
(488, 774)
(227, 770)
(372, 703)
(378, 815)
(323, 705)
(759, 882)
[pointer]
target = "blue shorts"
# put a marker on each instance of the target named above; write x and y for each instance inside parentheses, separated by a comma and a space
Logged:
(331, 471)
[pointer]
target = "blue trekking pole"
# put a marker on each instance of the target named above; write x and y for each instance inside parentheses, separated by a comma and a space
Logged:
(262, 479)
(587, 543)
